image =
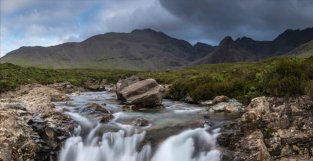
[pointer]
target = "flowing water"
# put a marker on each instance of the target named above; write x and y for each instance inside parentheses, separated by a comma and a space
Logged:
(178, 132)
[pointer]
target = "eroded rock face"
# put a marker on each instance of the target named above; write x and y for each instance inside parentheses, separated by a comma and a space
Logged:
(145, 93)
(273, 129)
(94, 107)
(30, 128)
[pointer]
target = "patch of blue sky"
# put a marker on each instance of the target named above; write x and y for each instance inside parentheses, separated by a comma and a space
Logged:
(87, 16)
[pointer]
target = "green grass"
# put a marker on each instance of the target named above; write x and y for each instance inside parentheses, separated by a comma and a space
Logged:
(243, 81)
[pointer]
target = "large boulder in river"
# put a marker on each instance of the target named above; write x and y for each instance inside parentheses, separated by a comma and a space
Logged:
(145, 93)
(122, 83)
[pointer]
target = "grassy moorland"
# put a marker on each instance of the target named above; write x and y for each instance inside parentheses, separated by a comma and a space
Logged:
(272, 77)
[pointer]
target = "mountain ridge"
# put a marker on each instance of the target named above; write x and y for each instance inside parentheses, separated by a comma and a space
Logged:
(147, 49)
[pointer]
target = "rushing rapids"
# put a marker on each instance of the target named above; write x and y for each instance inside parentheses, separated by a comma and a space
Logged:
(120, 140)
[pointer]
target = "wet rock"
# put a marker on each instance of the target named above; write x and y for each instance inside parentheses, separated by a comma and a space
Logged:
(189, 99)
(219, 99)
(229, 107)
(232, 108)
(129, 107)
(106, 118)
(206, 103)
(141, 122)
(145, 93)
(76, 93)
(95, 84)
(59, 98)
(219, 107)
(94, 107)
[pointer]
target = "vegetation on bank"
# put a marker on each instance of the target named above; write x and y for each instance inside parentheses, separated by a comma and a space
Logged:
(243, 81)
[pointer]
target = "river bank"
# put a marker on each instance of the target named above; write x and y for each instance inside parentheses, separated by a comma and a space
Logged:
(32, 127)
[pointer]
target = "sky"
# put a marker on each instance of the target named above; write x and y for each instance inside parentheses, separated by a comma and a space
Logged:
(52, 22)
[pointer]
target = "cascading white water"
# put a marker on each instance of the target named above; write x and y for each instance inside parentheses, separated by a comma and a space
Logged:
(190, 145)
(118, 140)
(182, 147)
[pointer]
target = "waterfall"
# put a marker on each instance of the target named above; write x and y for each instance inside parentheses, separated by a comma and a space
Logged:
(126, 145)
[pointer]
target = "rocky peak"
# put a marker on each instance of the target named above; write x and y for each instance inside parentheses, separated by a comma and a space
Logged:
(200, 45)
(147, 30)
(244, 39)
(226, 41)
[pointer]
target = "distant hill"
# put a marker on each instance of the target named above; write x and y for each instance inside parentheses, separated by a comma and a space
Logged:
(151, 50)
(138, 50)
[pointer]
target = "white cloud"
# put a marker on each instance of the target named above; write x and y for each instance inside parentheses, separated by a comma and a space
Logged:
(9, 6)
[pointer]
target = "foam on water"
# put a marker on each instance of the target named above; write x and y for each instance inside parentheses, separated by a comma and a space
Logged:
(124, 145)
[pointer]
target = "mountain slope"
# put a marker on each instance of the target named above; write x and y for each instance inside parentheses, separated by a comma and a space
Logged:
(138, 50)
(227, 51)
(303, 51)
(282, 44)
(290, 39)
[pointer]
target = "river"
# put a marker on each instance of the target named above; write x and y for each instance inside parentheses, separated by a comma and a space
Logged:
(177, 132)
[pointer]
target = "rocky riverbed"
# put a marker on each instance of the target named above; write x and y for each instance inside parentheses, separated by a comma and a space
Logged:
(33, 127)
(30, 127)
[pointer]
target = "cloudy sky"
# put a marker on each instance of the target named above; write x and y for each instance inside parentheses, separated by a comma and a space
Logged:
(51, 22)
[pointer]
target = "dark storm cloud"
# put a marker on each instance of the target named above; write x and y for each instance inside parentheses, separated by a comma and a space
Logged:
(51, 22)
(260, 19)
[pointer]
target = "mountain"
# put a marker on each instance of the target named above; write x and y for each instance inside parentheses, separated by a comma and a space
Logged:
(203, 49)
(284, 43)
(246, 49)
(227, 51)
(260, 49)
(290, 39)
(304, 51)
(147, 49)
(138, 50)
